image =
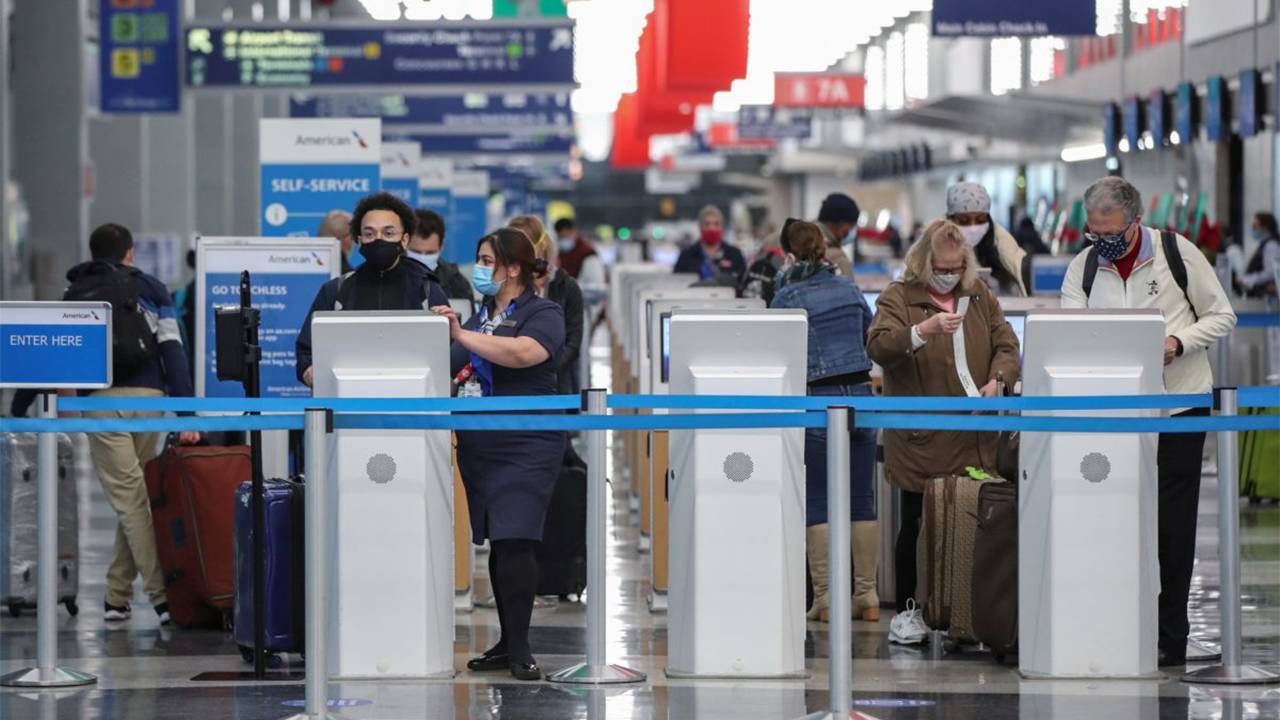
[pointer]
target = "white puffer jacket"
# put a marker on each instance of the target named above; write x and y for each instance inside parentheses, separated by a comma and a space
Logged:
(1151, 285)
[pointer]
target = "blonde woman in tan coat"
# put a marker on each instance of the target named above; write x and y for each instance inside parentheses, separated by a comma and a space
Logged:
(913, 338)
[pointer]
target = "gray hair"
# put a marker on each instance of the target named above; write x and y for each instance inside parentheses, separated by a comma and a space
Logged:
(710, 210)
(336, 224)
(1113, 193)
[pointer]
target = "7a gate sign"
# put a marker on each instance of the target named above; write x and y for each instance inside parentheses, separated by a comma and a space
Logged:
(819, 90)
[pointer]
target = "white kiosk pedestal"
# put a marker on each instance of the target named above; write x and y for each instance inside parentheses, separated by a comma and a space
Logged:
(391, 608)
(1088, 578)
(737, 601)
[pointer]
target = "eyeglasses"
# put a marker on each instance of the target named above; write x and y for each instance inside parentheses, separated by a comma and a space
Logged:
(949, 271)
(1095, 238)
(388, 233)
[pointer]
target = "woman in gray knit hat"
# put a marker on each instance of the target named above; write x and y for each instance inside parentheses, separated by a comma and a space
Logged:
(969, 206)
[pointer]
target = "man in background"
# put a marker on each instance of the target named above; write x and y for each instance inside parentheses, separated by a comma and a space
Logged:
(426, 245)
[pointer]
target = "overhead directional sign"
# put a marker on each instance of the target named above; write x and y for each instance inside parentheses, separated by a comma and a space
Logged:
(472, 112)
(764, 122)
(55, 345)
(557, 143)
(531, 53)
(1004, 18)
(138, 60)
(819, 90)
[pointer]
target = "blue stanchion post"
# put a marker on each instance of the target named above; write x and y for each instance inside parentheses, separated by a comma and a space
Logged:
(595, 669)
(46, 673)
(840, 565)
(1232, 670)
(318, 424)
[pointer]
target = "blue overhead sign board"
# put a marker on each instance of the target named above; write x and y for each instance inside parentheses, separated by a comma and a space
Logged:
(468, 215)
(465, 55)
(1004, 18)
(138, 57)
(473, 112)
(491, 143)
(1186, 115)
(309, 167)
(765, 122)
(55, 345)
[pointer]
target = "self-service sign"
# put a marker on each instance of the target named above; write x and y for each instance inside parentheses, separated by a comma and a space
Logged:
(55, 345)
(400, 170)
(285, 276)
(309, 167)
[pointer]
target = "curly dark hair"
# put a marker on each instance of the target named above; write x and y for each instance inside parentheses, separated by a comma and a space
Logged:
(381, 201)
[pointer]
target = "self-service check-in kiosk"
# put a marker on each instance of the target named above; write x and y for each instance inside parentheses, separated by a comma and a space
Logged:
(391, 609)
(637, 326)
(655, 381)
(1088, 578)
(737, 601)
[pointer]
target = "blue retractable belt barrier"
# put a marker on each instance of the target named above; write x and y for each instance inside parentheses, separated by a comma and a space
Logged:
(1259, 396)
(910, 404)
(506, 403)
(1257, 319)
(683, 421)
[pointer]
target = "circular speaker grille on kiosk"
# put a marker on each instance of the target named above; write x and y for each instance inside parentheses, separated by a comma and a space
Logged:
(1095, 467)
(738, 466)
(381, 468)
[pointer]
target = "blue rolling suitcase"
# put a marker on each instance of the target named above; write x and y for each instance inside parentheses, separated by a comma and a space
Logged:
(283, 546)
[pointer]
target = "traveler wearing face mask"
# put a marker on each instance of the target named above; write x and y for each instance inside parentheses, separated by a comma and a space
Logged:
(838, 365)
(426, 244)
(1131, 268)
(969, 206)
(560, 288)
(710, 258)
(509, 347)
(1259, 278)
(938, 331)
(384, 281)
(838, 218)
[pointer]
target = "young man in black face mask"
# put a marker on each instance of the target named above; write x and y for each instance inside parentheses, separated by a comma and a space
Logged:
(381, 224)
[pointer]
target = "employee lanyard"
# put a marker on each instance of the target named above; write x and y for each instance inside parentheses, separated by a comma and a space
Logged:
(467, 376)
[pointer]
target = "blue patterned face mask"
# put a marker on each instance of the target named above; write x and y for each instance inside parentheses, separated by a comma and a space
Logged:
(1112, 246)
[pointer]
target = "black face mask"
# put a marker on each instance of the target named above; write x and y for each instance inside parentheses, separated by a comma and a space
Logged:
(380, 255)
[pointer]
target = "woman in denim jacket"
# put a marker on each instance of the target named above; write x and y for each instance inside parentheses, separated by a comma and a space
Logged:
(838, 365)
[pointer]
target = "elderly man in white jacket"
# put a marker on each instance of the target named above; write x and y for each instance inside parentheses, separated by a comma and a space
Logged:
(1131, 269)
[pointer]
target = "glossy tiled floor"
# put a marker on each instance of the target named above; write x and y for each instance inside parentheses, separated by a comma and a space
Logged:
(145, 671)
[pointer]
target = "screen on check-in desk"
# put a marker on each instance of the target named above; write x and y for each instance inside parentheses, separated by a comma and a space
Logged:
(871, 297)
(666, 347)
(1018, 322)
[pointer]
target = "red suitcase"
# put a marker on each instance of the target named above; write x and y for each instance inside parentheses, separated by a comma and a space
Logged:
(192, 491)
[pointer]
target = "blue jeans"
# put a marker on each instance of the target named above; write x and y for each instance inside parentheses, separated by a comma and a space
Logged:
(862, 464)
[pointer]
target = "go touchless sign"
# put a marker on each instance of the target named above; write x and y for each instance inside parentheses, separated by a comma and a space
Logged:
(55, 344)
(310, 167)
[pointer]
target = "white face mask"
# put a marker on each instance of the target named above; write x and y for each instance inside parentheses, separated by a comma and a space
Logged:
(943, 283)
(974, 233)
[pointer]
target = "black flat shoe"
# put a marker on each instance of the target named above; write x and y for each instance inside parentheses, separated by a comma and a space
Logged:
(1172, 659)
(485, 663)
(526, 671)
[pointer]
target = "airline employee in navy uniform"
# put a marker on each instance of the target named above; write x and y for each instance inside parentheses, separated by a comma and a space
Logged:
(510, 347)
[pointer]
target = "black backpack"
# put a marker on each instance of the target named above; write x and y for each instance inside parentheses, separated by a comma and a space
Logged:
(133, 342)
(1172, 256)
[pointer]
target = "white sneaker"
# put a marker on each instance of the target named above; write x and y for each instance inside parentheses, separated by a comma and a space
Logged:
(112, 613)
(908, 628)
